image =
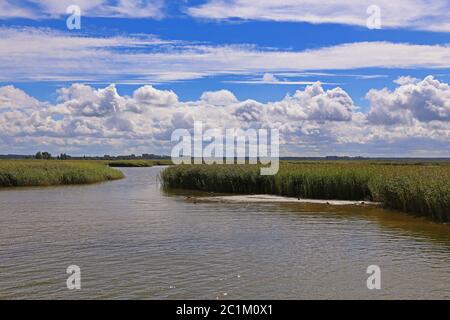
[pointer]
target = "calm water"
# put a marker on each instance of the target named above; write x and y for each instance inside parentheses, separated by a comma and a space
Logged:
(131, 240)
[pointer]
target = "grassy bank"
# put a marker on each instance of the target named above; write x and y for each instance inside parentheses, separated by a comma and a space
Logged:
(137, 163)
(422, 189)
(17, 173)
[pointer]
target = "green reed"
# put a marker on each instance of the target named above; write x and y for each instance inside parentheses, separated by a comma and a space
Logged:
(16, 173)
(422, 189)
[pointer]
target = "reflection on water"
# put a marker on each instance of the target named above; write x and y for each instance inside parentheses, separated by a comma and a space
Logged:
(133, 241)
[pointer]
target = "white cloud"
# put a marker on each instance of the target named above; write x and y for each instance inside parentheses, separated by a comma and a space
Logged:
(10, 9)
(269, 77)
(149, 96)
(426, 100)
(313, 121)
(250, 112)
(45, 55)
(406, 80)
(218, 98)
(83, 100)
(315, 103)
(13, 98)
(413, 14)
(41, 9)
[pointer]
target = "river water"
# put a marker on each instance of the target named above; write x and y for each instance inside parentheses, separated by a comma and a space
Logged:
(133, 241)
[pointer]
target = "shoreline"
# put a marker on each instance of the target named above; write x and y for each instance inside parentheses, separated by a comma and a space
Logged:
(268, 198)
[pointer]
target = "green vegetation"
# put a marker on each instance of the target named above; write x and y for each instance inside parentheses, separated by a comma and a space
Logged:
(422, 189)
(17, 173)
(137, 163)
(43, 156)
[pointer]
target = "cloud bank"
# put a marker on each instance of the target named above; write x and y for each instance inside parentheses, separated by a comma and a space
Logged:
(32, 54)
(412, 120)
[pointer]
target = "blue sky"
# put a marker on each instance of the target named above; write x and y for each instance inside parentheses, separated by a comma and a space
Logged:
(276, 35)
(257, 50)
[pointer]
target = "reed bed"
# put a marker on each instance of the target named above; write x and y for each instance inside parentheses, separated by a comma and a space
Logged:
(421, 189)
(18, 173)
(137, 163)
(130, 163)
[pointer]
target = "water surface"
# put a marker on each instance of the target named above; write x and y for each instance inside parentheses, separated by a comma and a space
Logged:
(133, 241)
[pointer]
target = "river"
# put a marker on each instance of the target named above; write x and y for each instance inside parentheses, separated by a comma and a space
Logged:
(131, 240)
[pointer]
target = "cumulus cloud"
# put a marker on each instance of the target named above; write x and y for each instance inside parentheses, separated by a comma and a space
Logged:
(249, 111)
(315, 103)
(83, 100)
(13, 98)
(312, 121)
(425, 100)
(406, 80)
(149, 96)
(218, 98)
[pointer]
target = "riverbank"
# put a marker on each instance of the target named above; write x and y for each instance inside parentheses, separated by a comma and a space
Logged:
(421, 189)
(22, 173)
(137, 163)
(268, 198)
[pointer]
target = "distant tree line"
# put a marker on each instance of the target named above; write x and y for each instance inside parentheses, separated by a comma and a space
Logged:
(146, 156)
(43, 156)
(63, 156)
(48, 156)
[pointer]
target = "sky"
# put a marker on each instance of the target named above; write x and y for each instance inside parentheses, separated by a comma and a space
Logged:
(349, 78)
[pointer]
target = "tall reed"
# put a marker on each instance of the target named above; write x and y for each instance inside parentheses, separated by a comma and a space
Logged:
(16, 173)
(419, 189)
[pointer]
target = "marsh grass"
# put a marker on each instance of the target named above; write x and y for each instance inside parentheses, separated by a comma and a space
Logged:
(137, 163)
(17, 173)
(421, 189)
